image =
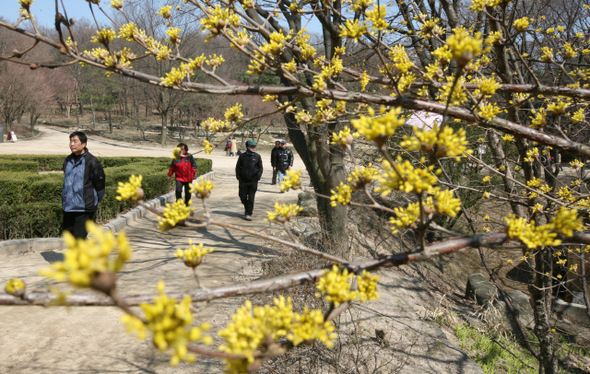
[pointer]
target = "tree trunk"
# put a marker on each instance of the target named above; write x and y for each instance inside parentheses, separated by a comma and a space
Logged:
(164, 116)
(110, 122)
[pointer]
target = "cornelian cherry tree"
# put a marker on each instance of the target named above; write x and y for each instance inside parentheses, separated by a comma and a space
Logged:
(511, 74)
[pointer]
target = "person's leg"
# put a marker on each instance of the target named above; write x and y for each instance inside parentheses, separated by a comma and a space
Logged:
(77, 223)
(68, 222)
(178, 190)
(252, 187)
(281, 177)
(243, 193)
(274, 177)
(187, 192)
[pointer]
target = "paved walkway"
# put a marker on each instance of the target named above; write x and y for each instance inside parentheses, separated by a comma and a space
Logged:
(91, 339)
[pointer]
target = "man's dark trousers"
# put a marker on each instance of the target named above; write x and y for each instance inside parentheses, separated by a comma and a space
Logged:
(247, 192)
(274, 176)
(75, 223)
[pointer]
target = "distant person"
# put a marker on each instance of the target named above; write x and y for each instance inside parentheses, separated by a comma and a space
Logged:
(248, 172)
(234, 147)
(185, 169)
(272, 161)
(228, 146)
(84, 186)
(283, 161)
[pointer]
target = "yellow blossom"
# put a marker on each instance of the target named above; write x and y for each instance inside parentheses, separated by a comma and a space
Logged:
(208, 147)
(335, 285)
(359, 178)
(379, 128)
(445, 143)
(174, 214)
(404, 177)
(341, 196)
(283, 213)
(15, 287)
(86, 258)
(292, 180)
(192, 256)
(170, 325)
(202, 188)
(343, 137)
(130, 191)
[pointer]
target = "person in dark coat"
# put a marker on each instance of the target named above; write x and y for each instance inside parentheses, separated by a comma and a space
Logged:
(185, 168)
(248, 172)
(283, 161)
(272, 161)
(84, 186)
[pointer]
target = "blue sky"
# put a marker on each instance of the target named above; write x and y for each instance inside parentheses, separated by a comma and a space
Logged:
(44, 10)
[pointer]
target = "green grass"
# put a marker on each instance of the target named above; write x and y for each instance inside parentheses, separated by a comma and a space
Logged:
(495, 354)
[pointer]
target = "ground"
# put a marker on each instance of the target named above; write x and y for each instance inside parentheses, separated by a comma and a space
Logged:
(92, 340)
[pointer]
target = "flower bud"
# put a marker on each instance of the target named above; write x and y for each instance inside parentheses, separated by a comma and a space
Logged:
(104, 282)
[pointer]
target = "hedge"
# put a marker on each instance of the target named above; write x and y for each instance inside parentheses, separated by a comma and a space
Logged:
(30, 203)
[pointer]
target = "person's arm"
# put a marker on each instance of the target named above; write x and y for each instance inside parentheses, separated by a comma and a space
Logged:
(259, 168)
(171, 171)
(291, 157)
(238, 167)
(194, 163)
(98, 180)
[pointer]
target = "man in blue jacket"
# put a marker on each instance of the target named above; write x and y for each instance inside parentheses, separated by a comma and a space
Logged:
(84, 186)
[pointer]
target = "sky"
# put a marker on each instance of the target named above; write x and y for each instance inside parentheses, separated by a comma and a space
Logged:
(44, 10)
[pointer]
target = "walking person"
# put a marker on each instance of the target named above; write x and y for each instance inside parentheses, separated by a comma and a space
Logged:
(283, 161)
(228, 146)
(234, 147)
(185, 168)
(272, 161)
(84, 186)
(248, 172)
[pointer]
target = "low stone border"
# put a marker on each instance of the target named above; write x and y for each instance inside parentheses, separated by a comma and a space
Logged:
(12, 247)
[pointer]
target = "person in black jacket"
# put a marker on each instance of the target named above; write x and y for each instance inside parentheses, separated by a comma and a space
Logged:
(249, 172)
(272, 161)
(283, 161)
(84, 186)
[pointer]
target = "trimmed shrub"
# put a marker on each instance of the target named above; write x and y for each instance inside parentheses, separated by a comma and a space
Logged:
(30, 203)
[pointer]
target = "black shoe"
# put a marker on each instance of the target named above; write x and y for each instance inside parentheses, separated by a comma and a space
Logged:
(248, 217)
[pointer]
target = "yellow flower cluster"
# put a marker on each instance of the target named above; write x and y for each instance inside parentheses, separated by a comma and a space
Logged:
(104, 36)
(379, 128)
(174, 77)
(565, 222)
(463, 46)
(359, 178)
(405, 217)
(341, 196)
(446, 203)
(276, 43)
(170, 324)
(176, 153)
(15, 287)
(404, 177)
(217, 19)
(202, 188)
(292, 180)
(353, 30)
(377, 17)
(283, 213)
(130, 191)
(174, 35)
(234, 113)
(192, 256)
(174, 214)
(207, 147)
(445, 143)
(344, 137)
(489, 111)
(257, 328)
(334, 284)
(86, 258)
(216, 125)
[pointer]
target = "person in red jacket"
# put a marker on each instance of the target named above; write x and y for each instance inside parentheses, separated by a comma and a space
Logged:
(185, 168)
